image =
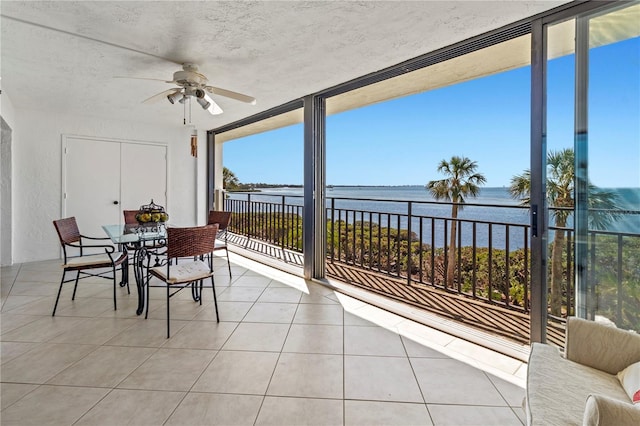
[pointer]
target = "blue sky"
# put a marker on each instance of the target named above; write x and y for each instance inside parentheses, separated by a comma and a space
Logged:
(401, 142)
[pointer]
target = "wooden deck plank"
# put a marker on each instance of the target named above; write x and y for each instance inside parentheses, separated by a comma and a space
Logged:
(451, 305)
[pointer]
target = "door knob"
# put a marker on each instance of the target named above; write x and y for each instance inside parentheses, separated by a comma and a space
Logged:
(116, 202)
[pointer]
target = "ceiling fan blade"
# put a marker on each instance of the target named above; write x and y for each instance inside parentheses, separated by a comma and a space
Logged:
(229, 94)
(142, 78)
(161, 95)
(214, 108)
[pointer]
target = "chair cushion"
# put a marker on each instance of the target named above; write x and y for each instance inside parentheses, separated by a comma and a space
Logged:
(92, 260)
(183, 272)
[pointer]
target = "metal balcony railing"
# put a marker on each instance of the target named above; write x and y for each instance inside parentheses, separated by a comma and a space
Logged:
(410, 241)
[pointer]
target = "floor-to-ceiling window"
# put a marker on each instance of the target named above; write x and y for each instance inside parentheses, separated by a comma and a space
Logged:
(593, 165)
(397, 234)
(262, 178)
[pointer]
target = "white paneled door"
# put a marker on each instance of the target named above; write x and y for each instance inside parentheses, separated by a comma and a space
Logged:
(103, 177)
(143, 175)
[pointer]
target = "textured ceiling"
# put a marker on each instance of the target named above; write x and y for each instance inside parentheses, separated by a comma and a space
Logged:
(62, 56)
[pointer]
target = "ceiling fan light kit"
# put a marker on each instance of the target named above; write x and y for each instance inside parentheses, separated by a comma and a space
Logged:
(176, 96)
(193, 84)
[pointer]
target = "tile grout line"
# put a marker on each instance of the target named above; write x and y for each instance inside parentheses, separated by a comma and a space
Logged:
(264, 397)
(413, 371)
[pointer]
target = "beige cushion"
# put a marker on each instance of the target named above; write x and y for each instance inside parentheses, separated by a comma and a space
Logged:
(558, 388)
(630, 380)
(183, 272)
(600, 346)
(92, 259)
(603, 411)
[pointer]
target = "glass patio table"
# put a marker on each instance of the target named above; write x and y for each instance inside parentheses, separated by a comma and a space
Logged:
(144, 242)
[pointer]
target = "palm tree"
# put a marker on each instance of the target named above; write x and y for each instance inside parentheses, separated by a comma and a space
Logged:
(229, 179)
(560, 197)
(462, 182)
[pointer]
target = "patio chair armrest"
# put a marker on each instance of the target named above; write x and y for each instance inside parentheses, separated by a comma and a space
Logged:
(107, 248)
(94, 238)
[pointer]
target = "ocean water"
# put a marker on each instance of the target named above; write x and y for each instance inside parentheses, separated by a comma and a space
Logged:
(493, 205)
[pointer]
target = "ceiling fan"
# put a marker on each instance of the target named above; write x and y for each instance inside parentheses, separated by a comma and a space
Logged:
(193, 84)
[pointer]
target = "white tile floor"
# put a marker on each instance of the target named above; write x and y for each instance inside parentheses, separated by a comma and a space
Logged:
(286, 352)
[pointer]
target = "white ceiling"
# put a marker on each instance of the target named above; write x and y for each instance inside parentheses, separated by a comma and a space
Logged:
(62, 56)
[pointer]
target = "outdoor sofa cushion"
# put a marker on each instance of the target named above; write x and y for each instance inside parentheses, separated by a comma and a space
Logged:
(582, 388)
(557, 389)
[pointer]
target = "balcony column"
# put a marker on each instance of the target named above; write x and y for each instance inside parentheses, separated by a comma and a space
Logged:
(314, 214)
(215, 195)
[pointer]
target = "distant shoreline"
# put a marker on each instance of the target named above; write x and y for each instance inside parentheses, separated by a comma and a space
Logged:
(257, 187)
(261, 187)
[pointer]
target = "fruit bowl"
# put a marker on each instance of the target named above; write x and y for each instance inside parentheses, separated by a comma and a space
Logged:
(151, 213)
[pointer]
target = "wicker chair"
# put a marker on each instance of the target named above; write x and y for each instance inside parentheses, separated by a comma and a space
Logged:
(130, 220)
(196, 244)
(70, 238)
(222, 219)
(130, 217)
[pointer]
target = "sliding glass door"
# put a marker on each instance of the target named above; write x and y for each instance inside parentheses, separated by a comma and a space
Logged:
(593, 167)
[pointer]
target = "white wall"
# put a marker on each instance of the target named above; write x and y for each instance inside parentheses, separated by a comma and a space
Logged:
(37, 171)
(6, 247)
(7, 110)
